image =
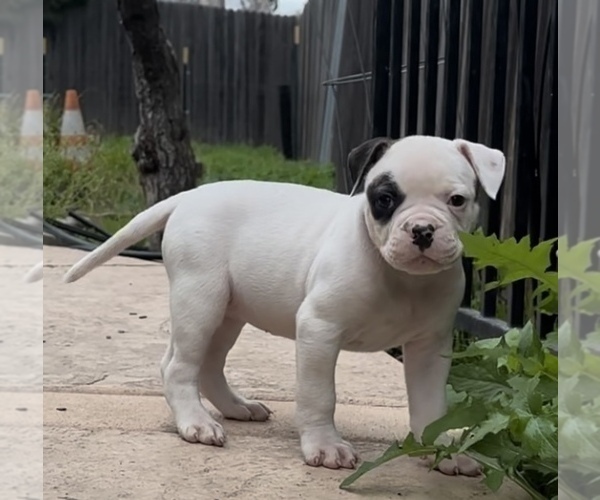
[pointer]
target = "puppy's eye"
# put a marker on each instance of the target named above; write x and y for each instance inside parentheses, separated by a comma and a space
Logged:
(457, 200)
(384, 202)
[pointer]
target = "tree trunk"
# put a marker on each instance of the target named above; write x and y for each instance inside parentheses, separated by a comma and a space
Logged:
(162, 148)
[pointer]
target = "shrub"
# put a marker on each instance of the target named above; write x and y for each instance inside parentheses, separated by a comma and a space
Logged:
(503, 393)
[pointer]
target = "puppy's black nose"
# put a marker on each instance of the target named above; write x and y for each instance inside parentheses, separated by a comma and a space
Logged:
(423, 236)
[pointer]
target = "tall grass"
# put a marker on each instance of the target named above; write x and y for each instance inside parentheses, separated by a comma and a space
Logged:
(21, 188)
(107, 186)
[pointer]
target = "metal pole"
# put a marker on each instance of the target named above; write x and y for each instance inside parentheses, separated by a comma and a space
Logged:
(381, 65)
(336, 55)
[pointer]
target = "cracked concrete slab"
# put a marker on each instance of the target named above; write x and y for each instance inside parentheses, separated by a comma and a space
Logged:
(21, 366)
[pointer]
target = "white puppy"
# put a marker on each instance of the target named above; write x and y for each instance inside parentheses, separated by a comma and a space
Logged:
(363, 273)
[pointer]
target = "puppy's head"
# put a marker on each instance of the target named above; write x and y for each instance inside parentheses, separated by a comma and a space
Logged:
(420, 192)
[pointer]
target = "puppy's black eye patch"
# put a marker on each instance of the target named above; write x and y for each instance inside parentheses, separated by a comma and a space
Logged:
(384, 197)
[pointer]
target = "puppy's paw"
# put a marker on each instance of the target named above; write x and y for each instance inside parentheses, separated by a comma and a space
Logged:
(328, 451)
(209, 432)
(457, 465)
(248, 411)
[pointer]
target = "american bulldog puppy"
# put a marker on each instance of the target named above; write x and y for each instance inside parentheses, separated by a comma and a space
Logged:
(365, 272)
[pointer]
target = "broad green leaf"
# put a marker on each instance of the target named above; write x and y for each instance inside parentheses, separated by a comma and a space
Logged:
(513, 260)
(551, 341)
(551, 365)
(518, 423)
(499, 447)
(410, 447)
(392, 452)
(574, 262)
(492, 425)
(465, 414)
(540, 438)
(454, 398)
(579, 437)
(494, 479)
(478, 381)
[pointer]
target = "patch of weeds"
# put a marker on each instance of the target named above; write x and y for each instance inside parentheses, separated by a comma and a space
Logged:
(503, 393)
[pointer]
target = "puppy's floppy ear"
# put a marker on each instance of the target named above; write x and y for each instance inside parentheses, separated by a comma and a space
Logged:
(489, 165)
(362, 158)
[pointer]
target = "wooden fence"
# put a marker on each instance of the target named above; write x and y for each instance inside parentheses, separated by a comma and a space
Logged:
(336, 39)
(234, 66)
(20, 47)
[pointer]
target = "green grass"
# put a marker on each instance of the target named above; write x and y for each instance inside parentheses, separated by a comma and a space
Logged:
(21, 188)
(107, 188)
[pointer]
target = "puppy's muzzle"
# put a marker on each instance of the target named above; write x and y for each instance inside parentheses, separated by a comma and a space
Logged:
(423, 236)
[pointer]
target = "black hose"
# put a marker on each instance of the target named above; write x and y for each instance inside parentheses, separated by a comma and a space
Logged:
(76, 230)
(89, 224)
(21, 236)
(80, 244)
(18, 234)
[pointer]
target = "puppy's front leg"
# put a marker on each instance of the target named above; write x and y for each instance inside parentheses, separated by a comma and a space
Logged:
(317, 350)
(427, 365)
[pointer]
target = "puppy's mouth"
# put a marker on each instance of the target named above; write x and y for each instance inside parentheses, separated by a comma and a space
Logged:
(422, 264)
(406, 257)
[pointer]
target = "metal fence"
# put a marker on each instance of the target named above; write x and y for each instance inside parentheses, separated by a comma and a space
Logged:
(579, 138)
(486, 72)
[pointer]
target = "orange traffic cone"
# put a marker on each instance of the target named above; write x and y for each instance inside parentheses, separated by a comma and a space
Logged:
(74, 140)
(32, 128)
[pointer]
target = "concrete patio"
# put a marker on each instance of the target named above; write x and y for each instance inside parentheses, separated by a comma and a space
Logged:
(108, 433)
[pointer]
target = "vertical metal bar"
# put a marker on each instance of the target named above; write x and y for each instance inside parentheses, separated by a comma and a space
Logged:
(295, 76)
(473, 106)
(381, 65)
(497, 138)
(431, 67)
(412, 68)
(550, 229)
(568, 215)
(285, 116)
(396, 68)
(450, 101)
(526, 154)
(474, 79)
(334, 71)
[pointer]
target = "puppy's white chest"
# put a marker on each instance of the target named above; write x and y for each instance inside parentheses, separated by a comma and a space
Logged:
(387, 325)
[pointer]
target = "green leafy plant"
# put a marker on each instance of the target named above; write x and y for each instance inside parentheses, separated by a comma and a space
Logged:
(578, 344)
(503, 393)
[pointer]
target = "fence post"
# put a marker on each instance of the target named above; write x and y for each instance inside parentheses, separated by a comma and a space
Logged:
(413, 51)
(285, 113)
(334, 70)
(432, 54)
(381, 64)
(397, 60)
(450, 100)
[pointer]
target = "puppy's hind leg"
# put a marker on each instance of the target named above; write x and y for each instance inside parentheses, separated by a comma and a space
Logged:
(196, 313)
(213, 383)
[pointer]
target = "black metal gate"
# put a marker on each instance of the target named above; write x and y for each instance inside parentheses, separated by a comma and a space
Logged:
(486, 72)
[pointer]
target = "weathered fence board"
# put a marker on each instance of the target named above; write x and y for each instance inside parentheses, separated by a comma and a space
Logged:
(235, 64)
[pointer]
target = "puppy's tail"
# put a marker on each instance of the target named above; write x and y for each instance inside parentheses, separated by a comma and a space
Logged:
(141, 226)
(36, 273)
